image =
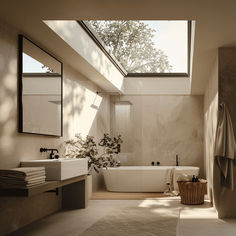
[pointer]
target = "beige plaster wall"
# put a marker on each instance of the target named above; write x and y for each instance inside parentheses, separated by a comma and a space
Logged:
(225, 198)
(156, 128)
(210, 122)
(79, 117)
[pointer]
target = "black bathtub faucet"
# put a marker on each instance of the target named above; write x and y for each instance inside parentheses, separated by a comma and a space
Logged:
(177, 160)
(51, 155)
(153, 163)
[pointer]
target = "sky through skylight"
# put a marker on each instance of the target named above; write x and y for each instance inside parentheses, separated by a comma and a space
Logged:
(163, 50)
(172, 38)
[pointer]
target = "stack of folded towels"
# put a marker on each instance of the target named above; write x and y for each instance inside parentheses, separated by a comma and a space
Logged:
(24, 177)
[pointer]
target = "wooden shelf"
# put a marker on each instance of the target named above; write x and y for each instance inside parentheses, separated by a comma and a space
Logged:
(47, 186)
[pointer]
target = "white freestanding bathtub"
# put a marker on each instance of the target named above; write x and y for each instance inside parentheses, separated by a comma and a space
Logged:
(144, 178)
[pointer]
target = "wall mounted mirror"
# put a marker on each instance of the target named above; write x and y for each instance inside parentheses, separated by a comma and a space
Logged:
(40, 90)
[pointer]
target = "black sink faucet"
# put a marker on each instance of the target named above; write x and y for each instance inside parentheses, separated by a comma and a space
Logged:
(51, 155)
(177, 160)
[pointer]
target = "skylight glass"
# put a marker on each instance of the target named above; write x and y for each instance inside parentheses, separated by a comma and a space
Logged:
(146, 46)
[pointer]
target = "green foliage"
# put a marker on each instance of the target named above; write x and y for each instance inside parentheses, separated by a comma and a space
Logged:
(111, 146)
(131, 42)
(87, 148)
(48, 69)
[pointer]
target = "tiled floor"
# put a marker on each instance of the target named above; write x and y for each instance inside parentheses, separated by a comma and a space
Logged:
(105, 195)
(203, 221)
(194, 220)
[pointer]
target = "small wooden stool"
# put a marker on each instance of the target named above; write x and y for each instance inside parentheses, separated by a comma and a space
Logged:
(192, 193)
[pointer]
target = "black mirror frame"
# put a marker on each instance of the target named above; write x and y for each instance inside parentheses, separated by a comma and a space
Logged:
(20, 86)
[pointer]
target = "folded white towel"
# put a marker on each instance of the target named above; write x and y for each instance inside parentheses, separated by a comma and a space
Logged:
(22, 171)
(18, 177)
(184, 177)
(23, 177)
(21, 181)
(4, 185)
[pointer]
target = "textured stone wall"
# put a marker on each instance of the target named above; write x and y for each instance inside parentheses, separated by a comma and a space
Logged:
(210, 123)
(225, 198)
(159, 127)
(79, 117)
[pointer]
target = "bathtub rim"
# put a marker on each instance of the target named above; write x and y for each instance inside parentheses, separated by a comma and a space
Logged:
(151, 168)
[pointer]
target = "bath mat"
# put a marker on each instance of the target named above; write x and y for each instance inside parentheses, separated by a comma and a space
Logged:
(138, 221)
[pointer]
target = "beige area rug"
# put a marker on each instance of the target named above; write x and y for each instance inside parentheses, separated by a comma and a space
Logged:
(138, 221)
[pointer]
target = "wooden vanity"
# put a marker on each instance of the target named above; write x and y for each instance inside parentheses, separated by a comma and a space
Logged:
(73, 190)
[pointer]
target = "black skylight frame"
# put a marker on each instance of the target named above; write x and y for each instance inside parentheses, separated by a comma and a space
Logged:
(94, 36)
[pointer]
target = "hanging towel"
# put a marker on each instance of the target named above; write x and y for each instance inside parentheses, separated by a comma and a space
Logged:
(225, 147)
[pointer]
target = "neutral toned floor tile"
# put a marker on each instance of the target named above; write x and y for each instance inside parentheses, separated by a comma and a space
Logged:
(105, 195)
(203, 221)
(76, 221)
(194, 220)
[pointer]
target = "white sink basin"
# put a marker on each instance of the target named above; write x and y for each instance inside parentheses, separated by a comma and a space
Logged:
(60, 169)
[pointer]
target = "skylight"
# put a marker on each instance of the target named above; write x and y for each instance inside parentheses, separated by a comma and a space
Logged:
(144, 47)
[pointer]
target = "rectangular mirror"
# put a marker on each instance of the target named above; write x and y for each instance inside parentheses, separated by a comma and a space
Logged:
(40, 90)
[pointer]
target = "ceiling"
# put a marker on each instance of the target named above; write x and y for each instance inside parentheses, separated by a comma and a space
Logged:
(215, 22)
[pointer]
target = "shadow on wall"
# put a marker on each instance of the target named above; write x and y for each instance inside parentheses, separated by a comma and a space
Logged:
(82, 107)
(73, 103)
(79, 95)
(99, 126)
(161, 127)
(210, 123)
(8, 97)
(71, 30)
(79, 116)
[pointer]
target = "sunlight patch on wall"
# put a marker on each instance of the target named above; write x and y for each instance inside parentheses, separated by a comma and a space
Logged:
(75, 36)
(88, 113)
(122, 124)
(7, 108)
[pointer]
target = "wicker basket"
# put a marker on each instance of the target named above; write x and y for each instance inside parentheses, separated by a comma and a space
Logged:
(192, 193)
